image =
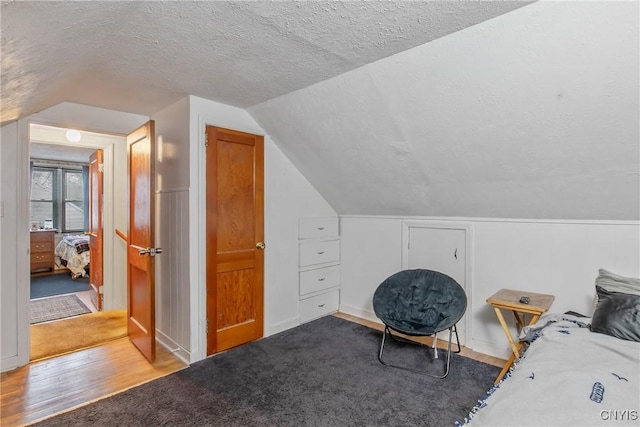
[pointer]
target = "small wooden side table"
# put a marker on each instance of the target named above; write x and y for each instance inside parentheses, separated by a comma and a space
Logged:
(509, 299)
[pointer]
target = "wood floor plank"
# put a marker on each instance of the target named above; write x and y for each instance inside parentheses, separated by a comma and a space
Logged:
(49, 386)
(467, 352)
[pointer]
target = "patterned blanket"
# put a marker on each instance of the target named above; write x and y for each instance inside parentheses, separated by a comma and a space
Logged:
(569, 376)
(73, 251)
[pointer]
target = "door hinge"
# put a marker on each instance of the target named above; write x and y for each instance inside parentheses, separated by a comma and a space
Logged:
(206, 139)
(207, 327)
(101, 167)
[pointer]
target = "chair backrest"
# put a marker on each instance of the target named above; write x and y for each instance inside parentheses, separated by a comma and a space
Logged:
(419, 302)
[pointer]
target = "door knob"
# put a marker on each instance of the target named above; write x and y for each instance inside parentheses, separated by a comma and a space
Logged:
(260, 245)
(150, 251)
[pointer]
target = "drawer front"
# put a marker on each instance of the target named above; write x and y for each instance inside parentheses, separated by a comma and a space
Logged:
(318, 306)
(41, 247)
(311, 228)
(319, 252)
(319, 279)
(42, 236)
(42, 258)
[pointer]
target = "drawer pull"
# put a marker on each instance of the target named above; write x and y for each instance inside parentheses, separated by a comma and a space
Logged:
(321, 280)
(320, 228)
(320, 253)
(320, 305)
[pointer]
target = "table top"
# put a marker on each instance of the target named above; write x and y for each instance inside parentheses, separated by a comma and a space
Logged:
(510, 298)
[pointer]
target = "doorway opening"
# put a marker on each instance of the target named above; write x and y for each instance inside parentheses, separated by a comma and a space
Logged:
(61, 199)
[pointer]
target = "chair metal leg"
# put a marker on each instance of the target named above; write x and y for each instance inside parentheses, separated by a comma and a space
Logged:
(447, 364)
(455, 330)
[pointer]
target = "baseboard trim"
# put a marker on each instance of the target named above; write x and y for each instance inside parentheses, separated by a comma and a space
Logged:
(358, 312)
(173, 347)
(9, 363)
(489, 348)
(283, 326)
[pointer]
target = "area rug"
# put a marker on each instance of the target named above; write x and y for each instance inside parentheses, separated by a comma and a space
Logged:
(65, 336)
(54, 308)
(57, 284)
(323, 373)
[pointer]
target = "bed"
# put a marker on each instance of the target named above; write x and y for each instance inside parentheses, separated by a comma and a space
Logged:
(577, 371)
(73, 252)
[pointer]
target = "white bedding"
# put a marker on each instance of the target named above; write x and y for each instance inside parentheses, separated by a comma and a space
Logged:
(569, 376)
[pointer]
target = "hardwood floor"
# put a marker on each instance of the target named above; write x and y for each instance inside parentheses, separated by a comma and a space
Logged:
(44, 388)
(481, 357)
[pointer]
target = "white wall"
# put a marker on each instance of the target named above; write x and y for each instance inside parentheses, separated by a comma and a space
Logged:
(9, 337)
(288, 195)
(173, 288)
(552, 257)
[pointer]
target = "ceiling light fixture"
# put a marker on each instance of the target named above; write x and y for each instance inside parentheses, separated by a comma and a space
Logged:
(73, 135)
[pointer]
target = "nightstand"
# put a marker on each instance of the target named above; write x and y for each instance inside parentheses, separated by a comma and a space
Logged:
(509, 299)
(41, 250)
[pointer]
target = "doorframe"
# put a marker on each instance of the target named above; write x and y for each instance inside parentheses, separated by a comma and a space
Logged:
(23, 220)
(198, 222)
(467, 227)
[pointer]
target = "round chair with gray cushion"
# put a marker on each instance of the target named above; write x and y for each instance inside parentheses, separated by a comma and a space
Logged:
(420, 303)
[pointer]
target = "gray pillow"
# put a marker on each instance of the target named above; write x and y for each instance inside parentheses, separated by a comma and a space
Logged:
(615, 283)
(617, 314)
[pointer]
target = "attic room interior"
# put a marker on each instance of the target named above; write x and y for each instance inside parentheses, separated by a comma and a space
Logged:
(301, 176)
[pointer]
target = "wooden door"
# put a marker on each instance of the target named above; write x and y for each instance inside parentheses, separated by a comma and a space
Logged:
(95, 228)
(442, 250)
(141, 323)
(235, 233)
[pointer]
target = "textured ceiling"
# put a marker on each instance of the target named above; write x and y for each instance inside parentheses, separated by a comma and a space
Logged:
(139, 57)
(534, 114)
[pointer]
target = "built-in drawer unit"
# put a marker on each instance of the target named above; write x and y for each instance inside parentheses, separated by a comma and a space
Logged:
(319, 279)
(41, 250)
(313, 228)
(319, 305)
(319, 267)
(314, 252)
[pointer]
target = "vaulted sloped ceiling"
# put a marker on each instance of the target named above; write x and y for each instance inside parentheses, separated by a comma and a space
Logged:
(141, 56)
(445, 108)
(534, 114)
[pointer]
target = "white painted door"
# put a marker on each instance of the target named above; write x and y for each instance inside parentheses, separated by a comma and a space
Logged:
(442, 250)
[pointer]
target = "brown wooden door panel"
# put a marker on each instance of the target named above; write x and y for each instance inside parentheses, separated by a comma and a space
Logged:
(141, 267)
(235, 266)
(95, 227)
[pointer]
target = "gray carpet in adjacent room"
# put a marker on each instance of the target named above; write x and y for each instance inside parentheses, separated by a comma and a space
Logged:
(323, 373)
(57, 284)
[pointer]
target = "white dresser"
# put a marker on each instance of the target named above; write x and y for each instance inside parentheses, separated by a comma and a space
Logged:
(319, 266)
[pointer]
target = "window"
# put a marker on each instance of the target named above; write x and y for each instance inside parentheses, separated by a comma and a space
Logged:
(58, 195)
(73, 191)
(43, 188)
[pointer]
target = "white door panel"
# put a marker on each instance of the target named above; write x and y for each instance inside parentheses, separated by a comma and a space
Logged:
(442, 250)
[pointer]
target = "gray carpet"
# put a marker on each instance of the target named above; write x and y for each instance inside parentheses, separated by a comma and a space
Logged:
(323, 373)
(57, 284)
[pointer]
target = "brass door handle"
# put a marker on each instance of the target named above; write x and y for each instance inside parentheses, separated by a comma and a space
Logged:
(260, 245)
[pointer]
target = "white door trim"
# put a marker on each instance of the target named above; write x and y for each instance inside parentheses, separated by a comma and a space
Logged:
(23, 221)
